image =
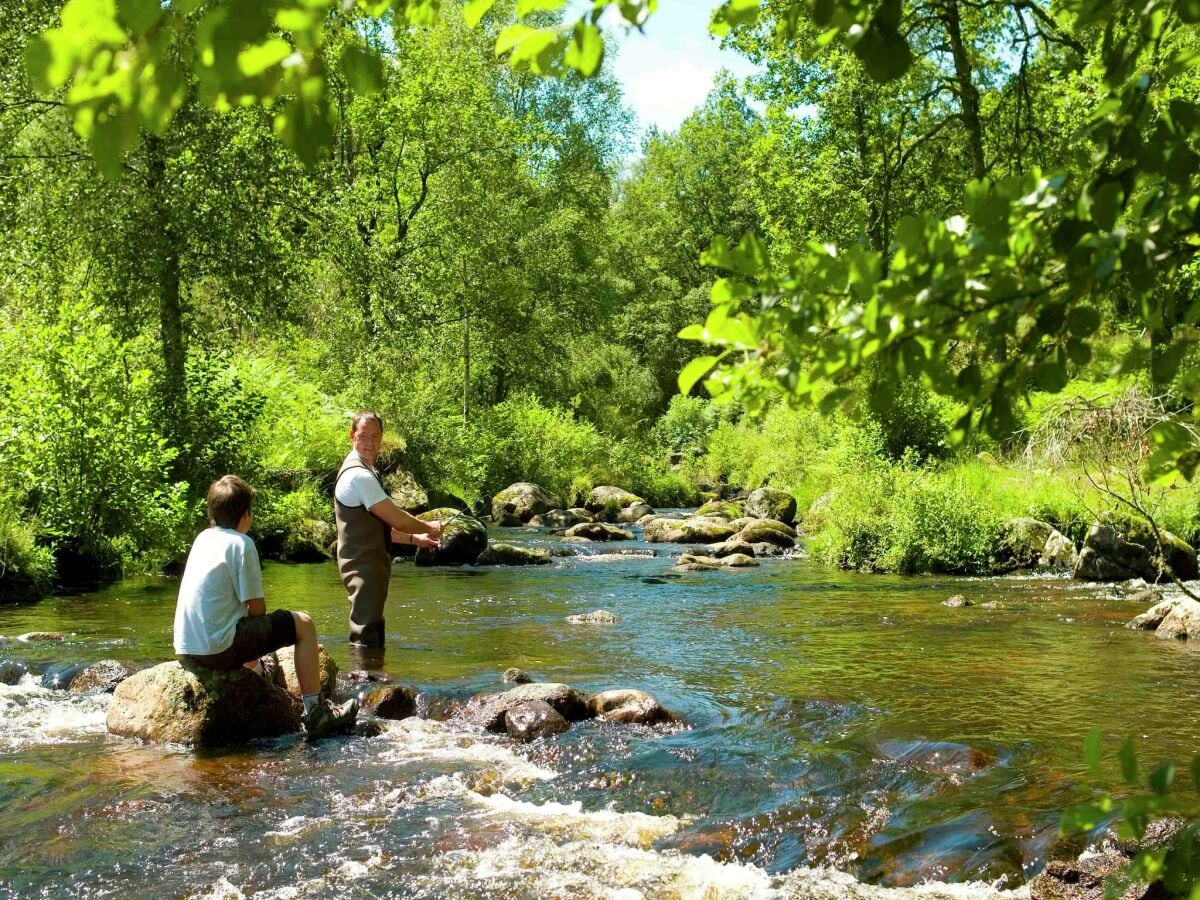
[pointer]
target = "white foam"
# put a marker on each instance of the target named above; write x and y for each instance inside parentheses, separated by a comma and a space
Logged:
(415, 740)
(34, 715)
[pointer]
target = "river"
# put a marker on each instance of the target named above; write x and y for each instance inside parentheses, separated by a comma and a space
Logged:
(847, 735)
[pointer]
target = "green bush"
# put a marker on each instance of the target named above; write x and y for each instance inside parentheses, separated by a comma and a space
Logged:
(912, 420)
(688, 422)
(280, 517)
(80, 446)
(26, 569)
(298, 427)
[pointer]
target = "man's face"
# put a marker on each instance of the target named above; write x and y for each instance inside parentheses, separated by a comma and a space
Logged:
(366, 441)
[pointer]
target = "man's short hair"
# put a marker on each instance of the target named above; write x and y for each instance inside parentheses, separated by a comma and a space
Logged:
(365, 415)
(229, 499)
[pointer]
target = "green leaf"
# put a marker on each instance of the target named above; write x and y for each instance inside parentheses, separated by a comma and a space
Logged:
(884, 52)
(138, 16)
(1051, 376)
(1091, 750)
(586, 50)
(1127, 756)
(38, 59)
(363, 70)
(256, 60)
(474, 11)
(1162, 778)
(1083, 817)
(833, 399)
(1107, 202)
(1189, 11)
(1083, 321)
(694, 371)
(510, 37)
(105, 140)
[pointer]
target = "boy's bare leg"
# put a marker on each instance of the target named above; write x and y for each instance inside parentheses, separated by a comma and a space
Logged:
(307, 665)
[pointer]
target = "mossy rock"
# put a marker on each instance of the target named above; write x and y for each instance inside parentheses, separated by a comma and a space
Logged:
(488, 710)
(462, 541)
(687, 531)
(501, 554)
(405, 492)
(599, 531)
(307, 541)
(606, 497)
(520, 502)
(200, 707)
(722, 509)
(771, 503)
(285, 658)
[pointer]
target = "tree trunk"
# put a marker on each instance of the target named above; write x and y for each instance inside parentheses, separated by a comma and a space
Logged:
(968, 95)
(170, 303)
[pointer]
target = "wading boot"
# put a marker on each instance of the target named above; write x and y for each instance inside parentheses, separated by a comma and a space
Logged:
(325, 719)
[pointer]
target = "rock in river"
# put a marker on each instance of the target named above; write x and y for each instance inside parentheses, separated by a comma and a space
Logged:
(463, 539)
(520, 502)
(102, 677)
(597, 617)
(502, 554)
(1175, 619)
(488, 710)
(687, 531)
(200, 707)
(630, 707)
(598, 531)
(771, 503)
(12, 671)
(534, 719)
(606, 497)
(286, 661)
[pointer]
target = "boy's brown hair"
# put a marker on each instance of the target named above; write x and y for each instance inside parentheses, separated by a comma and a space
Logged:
(229, 499)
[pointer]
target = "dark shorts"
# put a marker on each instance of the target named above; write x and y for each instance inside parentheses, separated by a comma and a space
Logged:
(255, 636)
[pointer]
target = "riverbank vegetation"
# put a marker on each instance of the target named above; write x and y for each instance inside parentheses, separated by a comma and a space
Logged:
(500, 265)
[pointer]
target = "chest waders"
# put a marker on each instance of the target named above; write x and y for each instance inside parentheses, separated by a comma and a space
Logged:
(365, 565)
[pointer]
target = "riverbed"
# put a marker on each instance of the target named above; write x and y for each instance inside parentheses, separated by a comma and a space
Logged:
(846, 735)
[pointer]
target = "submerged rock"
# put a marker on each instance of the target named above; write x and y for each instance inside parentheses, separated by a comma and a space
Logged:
(520, 502)
(42, 637)
(501, 554)
(389, 701)
(630, 707)
(958, 601)
(102, 677)
(200, 707)
(12, 671)
(532, 720)
(463, 539)
(488, 710)
(771, 503)
(597, 617)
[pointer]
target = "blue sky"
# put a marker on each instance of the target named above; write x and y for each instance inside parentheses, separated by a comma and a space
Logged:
(668, 70)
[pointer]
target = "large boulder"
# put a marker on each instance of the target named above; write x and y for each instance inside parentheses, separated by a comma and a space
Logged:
(1114, 551)
(629, 707)
(634, 513)
(520, 502)
(463, 539)
(607, 501)
(405, 492)
(771, 503)
(285, 660)
(12, 671)
(200, 707)
(532, 720)
(1020, 543)
(687, 531)
(501, 554)
(488, 710)
(768, 531)
(598, 531)
(101, 677)
(308, 540)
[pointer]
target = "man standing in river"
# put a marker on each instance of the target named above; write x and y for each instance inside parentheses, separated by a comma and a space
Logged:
(366, 520)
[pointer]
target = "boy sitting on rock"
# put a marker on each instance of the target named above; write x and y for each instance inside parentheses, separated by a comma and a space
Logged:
(221, 619)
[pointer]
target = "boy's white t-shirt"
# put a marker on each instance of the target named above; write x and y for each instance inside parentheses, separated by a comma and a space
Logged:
(221, 576)
(358, 486)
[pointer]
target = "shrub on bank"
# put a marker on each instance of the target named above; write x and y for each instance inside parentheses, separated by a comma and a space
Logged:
(26, 569)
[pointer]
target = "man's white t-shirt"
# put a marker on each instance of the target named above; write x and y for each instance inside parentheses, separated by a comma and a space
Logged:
(358, 486)
(221, 576)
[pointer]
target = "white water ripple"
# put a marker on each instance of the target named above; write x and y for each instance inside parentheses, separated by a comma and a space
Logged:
(34, 715)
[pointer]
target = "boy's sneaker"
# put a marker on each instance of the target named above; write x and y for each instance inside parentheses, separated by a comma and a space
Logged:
(325, 719)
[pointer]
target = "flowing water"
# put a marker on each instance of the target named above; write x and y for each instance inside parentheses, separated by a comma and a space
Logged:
(846, 735)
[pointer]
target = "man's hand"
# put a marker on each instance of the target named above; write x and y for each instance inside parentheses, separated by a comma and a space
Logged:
(429, 542)
(435, 528)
